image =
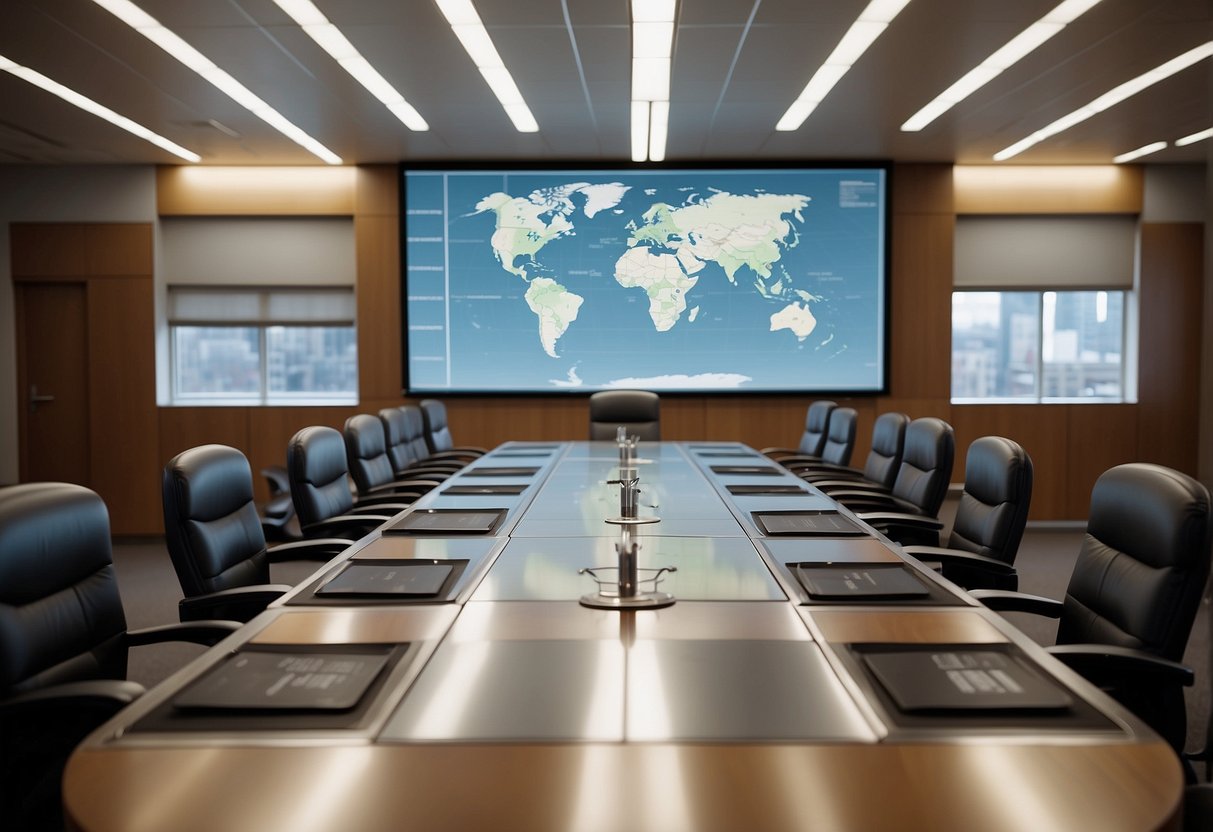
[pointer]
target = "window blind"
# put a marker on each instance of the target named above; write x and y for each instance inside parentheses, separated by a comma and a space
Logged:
(1005, 252)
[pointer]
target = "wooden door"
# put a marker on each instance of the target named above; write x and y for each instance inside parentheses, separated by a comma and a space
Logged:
(52, 381)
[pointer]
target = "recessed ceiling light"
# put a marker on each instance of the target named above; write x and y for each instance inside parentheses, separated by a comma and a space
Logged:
(1194, 137)
(872, 21)
(1145, 150)
(1109, 98)
(652, 63)
(1005, 57)
(90, 106)
(466, 24)
(170, 42)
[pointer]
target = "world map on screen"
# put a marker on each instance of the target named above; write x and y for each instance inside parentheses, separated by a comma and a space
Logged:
(689, 280)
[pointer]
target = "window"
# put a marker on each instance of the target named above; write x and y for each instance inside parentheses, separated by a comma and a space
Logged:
(262, 346)
(1040, 346)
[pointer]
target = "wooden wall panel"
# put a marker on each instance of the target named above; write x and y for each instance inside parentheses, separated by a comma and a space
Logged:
(489, 421)
(118, 249)
(182, 428)
(1098, 437)
(920, 340)
(122, 403)
(1170, 306)
(47, 250)
(761, 422)
(379, 321)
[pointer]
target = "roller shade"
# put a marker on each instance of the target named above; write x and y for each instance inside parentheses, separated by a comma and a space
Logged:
(1045, 252)
(234, 306)
(258, 251)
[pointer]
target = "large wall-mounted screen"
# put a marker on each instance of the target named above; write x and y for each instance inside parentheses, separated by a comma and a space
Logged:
(694, 280)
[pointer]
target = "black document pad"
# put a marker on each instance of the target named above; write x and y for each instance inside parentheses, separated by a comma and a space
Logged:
(487, 488)
(854, 582)
(499, 471)
(749, 470)
(408, 580)
(285, 681)
(447, 521)
(765, 490)
(811, 523)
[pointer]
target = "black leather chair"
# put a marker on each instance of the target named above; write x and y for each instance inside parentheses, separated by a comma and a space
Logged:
(438, 433)
(320, 487)
(214, 540)
(879, 469)
(638, 411)
(816, 429)
(371, 467)
(63, 641)
(1134, 592)
(278, 513)
(909, 512)
(402, 428)
(838, 446)
(990, 518)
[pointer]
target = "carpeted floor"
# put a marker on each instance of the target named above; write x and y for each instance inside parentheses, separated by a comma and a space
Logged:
(1046, 558)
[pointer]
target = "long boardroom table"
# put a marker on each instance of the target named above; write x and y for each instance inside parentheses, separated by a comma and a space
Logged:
(479, 693)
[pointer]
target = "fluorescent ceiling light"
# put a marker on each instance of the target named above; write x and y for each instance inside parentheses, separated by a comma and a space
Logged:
(1108, 99)
(1003, 58)
(640, 131)
(90, 106)
(1139, 152)
(659, 120)
(872, 21)
(1195, 137)
(650, 11)
(329, 38)
(652, 64)
(467, 26)
(146, 25)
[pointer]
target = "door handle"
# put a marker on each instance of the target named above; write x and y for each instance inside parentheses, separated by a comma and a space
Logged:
(35, 399)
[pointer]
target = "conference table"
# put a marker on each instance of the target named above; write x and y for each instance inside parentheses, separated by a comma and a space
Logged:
(787, 668)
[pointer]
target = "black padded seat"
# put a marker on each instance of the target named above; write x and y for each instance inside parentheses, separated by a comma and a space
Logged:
(369, 464)
(398, 442)
(438, 432)
(980, 551)
(638, 411)
(63, 641)
(215, 539)
(813, 439)
(879, 468)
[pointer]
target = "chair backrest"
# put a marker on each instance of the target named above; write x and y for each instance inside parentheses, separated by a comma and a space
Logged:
(366, 452)
(211, 526)
(61, 617)
(1143, 564)
(316, 465)
(888, 444)
(637, 410)
(394, 439)
(926, 465)
(437, 434)
(414, 433)
(816, 427)
(993, 508)
(840, 441)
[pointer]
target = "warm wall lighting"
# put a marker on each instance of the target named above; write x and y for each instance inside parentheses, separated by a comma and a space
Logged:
(1109, 99)
(331, 40)
(652, 63)
(90, 106)
(150, 28)
(1007, 56)
(872, 21)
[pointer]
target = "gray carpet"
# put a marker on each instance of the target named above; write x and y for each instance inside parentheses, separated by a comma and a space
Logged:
(1046, 558)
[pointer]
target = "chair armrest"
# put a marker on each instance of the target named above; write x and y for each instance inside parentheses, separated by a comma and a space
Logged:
(920, 522)
(413, 486)
(866, 486)
(360, 523)
(316, 548)
(241, 603)
(467, 449)
(860, 501)
(798, 459)
(1101, 662)
(825, 469)
(773, 451)
(1003, 600)
(106, 696)
(403, 499)
(209, 633)
(450, 455)
(944, 555)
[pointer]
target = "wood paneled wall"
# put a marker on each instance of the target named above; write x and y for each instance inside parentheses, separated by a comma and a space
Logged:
(1070, 444)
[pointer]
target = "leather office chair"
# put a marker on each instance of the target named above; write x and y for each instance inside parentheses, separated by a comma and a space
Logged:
(838, 446)
(419, 446)
(278, 513)
(990, 519)
(1134, 592)
(438, 433)
(909, 512)
(371, 467)
(816, 429)
(320, 487)
(398, 442)
(214, 540)
(879, 469)
(63, 641)
(639, 411)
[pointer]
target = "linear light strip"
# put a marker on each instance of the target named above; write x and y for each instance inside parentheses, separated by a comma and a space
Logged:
(1003, 59)
(1108, 99)
(90, 106)
(870, 24)
(331, 40)
(170, 42)
(466, 24)
(652, 64)
(1194, 137)
(1145, 150)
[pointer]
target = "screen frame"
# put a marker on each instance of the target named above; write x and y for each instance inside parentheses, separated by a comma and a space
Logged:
(607, 166)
